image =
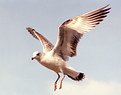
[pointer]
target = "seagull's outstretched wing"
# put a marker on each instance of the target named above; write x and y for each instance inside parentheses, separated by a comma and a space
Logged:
(73, 29)
(47, 46)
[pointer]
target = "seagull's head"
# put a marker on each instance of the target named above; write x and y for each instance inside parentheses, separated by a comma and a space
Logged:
(36, 55)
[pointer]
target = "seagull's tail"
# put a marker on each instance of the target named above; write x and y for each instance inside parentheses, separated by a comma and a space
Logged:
(70, 72)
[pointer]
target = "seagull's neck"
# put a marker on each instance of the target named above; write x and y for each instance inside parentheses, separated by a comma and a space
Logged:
(38, 59)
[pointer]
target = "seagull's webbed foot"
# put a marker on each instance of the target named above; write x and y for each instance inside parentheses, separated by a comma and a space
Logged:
(55, 84)
(61, 82)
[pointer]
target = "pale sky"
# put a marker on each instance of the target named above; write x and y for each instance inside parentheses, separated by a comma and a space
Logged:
(99, 51)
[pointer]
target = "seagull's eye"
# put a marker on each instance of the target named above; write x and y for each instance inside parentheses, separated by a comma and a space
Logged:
(38, 54)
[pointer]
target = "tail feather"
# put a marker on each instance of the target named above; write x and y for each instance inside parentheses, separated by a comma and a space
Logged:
(71, 73)
(78, 78)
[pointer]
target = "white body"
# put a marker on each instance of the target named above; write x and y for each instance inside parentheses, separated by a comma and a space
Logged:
(55, 63)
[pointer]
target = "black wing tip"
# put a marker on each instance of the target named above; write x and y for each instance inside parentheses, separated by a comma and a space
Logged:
(98, 15)
(30, 29)
(108, 5)
(107, 8)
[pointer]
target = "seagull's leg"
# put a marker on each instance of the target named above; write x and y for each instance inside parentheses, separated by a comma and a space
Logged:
(61, 81)
(55, 85)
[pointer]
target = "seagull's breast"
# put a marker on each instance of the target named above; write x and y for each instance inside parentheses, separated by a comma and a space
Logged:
(54, 63)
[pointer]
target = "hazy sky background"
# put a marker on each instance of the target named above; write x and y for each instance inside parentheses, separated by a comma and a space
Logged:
(99, 51)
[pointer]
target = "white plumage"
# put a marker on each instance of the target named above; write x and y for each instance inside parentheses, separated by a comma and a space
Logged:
(54, 57)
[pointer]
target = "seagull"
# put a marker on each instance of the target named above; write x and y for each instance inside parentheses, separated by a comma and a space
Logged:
(55, 57)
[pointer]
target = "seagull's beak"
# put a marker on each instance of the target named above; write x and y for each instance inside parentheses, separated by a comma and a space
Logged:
(32, 58)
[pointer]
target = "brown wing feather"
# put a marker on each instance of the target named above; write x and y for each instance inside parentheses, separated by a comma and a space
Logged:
(47, 46)
(73, 29)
